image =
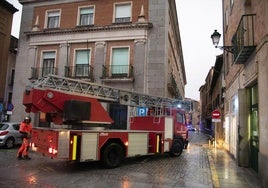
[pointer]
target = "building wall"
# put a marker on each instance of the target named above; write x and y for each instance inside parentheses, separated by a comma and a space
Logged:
(6, 16)
(196, 114)
(154, 45)
(5, 31)
(262, 62)
(202, 107)
(23, 64)
(217, 97)
(206, 104)
(175, 58)
(157, 48)
(239, 79)
(8, 110)
(69, 12)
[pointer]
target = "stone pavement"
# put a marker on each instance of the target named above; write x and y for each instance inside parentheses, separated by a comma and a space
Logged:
(225, 173)
(200, 166)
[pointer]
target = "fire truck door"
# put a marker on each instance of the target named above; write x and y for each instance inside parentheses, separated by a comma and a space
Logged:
(169, 132)
(137, 144)
(63, 143)
(89, 146)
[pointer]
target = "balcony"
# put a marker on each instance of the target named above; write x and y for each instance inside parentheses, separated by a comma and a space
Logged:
(117, 73)
(243, 39)
(37, 72)
(83, 71)
(173, 88)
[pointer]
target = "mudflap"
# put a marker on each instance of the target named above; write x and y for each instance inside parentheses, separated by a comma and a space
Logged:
(186, 142)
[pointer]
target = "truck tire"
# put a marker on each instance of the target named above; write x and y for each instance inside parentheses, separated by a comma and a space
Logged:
(176, 148)
(112, 155)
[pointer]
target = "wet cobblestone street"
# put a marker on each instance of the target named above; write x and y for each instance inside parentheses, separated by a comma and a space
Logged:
(191, 170)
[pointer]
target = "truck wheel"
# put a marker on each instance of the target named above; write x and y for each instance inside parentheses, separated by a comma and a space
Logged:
(112, 155)
(176, 148)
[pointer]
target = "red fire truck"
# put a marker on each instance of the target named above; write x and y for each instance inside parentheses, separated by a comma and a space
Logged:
(79, 129)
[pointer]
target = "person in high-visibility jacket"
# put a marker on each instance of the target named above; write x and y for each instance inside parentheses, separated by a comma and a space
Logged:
(25, 130)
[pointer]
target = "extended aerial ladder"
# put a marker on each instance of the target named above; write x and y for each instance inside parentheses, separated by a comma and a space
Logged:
(48, 97)
(101, 92)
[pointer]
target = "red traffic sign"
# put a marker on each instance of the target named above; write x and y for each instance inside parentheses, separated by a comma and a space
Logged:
(216, 114)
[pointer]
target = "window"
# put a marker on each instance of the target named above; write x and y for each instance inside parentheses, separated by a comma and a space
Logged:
(86, 16)
(16, 126)
(82, 61)
(48, 63)
(231, 6)
(122, 13)
(231, 3)
(226, 18)
(120, 61)
(180, 118)
(53, 19)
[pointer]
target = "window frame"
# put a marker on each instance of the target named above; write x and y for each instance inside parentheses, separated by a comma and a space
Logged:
(115, 19)
(47, 18)
(180, 118)
(79, 15)
(44, 73)
(77, 65)
(112, 58)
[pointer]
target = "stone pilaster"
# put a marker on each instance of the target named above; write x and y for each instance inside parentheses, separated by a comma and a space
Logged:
(100, 54)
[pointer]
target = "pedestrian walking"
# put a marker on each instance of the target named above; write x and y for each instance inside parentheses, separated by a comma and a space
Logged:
(25, 130)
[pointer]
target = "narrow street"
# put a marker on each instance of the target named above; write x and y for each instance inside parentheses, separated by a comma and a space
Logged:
(199, 166)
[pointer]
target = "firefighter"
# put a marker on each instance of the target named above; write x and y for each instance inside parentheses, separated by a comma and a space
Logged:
(25, 130)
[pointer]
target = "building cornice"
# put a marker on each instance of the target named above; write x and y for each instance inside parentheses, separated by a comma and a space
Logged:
(81, 29)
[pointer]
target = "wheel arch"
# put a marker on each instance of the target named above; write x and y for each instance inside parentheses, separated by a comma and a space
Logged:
(113, 140)
(180, 138)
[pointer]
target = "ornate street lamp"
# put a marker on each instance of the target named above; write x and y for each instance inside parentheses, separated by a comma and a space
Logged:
(215, 40)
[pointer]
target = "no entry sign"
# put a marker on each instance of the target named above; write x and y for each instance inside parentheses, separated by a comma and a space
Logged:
(216, 114)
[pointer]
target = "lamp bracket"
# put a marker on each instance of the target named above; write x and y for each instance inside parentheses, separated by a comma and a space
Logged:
(226, 48)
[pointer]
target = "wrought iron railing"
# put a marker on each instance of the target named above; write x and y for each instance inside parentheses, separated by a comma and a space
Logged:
(79, 71)
(173, 87)
(243, 39)
(117, 71)
(37, 72)
(122, 20)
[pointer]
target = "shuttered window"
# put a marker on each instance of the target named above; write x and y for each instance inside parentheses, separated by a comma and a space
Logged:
(48, 63)
(120, 60)
(122, 13)
(82, 62)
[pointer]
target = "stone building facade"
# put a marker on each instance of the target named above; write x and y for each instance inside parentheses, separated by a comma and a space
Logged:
(133, 45)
